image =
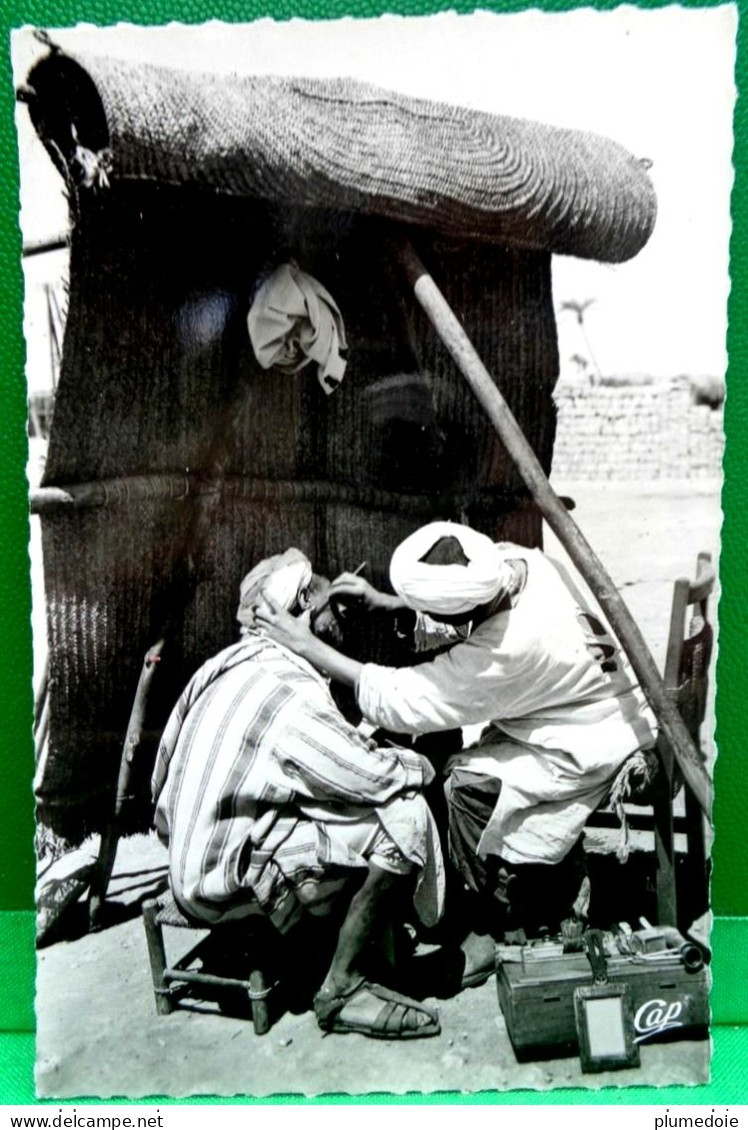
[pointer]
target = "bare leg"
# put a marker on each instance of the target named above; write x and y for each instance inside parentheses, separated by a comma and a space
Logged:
(365, 918)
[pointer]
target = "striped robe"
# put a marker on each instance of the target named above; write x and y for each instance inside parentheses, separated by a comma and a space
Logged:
(260, 784)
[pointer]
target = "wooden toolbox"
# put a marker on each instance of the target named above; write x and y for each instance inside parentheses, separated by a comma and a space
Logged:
(536, 995)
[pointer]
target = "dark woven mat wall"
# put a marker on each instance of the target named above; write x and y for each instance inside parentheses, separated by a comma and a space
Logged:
(158, 377)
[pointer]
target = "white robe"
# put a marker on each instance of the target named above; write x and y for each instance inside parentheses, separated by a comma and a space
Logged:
(560, 724)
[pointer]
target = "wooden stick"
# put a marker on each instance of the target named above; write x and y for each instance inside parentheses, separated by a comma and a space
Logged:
(109, 492)
(110, 835)
(450, 330)
(43, 246)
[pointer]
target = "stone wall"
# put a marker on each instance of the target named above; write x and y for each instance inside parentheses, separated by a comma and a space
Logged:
(641, 431)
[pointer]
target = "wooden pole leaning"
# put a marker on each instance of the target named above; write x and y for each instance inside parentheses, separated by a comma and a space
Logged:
(111, 832)
(453, 336)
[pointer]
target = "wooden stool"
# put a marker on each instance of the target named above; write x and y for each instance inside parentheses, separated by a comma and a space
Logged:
(170, 981)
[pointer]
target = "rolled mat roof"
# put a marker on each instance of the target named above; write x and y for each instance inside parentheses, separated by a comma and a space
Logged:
(344, 145)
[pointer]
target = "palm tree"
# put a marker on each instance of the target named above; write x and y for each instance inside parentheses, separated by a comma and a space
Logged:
(579, 308)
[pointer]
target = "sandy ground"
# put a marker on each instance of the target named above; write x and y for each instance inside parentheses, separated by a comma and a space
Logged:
(98, 1032)
(647, 535)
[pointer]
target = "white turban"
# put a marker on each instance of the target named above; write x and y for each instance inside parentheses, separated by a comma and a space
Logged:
(448, 590)
(282, 578)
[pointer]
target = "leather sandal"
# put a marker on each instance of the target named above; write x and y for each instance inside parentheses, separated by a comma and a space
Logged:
(388, 1024)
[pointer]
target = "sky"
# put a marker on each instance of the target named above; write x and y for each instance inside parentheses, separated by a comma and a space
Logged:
(659, 82)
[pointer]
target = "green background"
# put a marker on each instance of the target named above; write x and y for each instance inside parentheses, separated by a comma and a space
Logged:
(730, 885)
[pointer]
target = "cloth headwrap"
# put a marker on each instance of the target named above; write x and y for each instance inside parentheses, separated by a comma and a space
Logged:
(448, 590)
(292, 321)
(281, 578)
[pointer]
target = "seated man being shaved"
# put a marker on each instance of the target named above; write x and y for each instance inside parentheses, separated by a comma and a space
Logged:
(268, 798)
(529, 661)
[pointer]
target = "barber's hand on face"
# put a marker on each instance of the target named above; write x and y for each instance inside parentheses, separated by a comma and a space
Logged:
(356, 590)
(280, 625)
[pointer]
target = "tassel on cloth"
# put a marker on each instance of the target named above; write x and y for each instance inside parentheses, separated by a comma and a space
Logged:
(292, 321)
(633, 780)
(95, 167)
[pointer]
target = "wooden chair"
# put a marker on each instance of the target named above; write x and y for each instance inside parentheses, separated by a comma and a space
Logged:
(689, 651)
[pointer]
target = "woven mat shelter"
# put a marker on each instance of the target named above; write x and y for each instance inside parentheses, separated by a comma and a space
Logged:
(188, 462)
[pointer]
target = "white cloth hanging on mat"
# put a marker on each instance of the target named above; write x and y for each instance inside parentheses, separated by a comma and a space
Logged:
(292, 321)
